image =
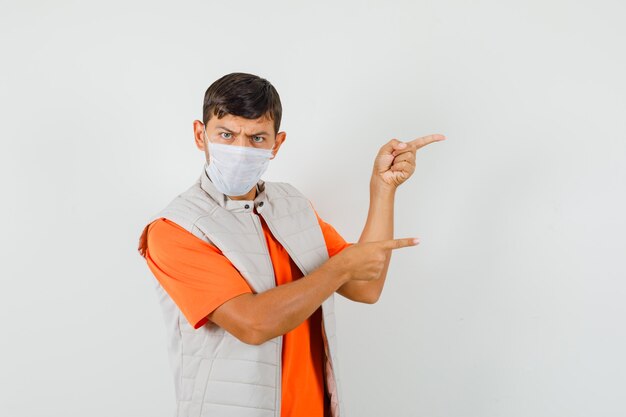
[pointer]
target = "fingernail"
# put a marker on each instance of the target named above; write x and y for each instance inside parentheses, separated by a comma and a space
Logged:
(416, 240)
(402, 145)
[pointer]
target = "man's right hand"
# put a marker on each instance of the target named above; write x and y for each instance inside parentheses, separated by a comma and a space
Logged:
(365, 261)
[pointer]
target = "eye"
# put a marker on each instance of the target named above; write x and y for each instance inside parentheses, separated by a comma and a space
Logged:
(260, 137)
(225, 133)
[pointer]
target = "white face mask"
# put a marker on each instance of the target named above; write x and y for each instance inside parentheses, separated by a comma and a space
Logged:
(234, 170)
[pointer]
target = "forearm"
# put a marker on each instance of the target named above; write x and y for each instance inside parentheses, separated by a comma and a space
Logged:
(379, 222)
(277, 311)
(378, 226)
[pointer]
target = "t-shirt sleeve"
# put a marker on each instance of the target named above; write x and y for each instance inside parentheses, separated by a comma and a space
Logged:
(195, 274)
(335, 243)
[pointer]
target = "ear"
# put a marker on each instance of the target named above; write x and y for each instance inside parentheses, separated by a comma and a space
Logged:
(280, 138)
(198, 134)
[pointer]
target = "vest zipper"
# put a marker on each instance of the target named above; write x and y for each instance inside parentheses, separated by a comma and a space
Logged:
(329, 358)
(279, 354)
(326, 345)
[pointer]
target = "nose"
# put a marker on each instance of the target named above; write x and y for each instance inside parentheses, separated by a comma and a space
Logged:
(240, 141)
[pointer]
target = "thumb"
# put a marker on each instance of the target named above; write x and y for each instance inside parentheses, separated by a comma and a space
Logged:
(391, 146)
(399, 243)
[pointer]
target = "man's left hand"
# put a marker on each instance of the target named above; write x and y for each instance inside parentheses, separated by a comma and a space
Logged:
(395, 161)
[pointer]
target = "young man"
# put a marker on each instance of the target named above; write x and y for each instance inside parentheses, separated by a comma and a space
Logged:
(246, 270)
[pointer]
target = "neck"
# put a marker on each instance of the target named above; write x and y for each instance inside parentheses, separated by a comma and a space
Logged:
(249, 196)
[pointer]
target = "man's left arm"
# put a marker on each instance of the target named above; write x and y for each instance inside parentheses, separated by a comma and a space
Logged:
(394, 164)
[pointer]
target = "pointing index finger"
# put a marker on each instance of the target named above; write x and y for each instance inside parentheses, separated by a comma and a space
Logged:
(425, 140)
(399, 243)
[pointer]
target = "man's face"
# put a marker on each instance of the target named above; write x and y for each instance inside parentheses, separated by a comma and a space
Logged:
(238, 131)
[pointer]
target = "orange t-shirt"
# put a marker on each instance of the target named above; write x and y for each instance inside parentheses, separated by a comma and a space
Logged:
(199, 278)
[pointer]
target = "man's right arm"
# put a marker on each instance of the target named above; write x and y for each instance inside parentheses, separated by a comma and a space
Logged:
(256, 318)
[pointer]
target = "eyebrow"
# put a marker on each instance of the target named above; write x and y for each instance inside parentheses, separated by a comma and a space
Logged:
(228, 130)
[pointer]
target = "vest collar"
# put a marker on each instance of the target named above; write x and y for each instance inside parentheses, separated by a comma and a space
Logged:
(233, 205)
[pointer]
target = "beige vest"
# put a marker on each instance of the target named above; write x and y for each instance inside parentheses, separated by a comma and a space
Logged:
(215, 374)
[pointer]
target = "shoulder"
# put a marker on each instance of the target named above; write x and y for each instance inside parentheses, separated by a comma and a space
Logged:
(167, 238)
(165, 227)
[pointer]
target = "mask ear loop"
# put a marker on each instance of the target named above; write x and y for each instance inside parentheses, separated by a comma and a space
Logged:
(206, 142)
(274, 147)
(205, 134)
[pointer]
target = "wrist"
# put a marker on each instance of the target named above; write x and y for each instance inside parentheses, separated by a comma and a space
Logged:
(380, 187)
(338, 274)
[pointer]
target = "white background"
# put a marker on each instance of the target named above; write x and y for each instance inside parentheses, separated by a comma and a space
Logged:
(513, 303)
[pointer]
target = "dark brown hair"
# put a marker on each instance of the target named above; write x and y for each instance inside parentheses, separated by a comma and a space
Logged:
(242, 94)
